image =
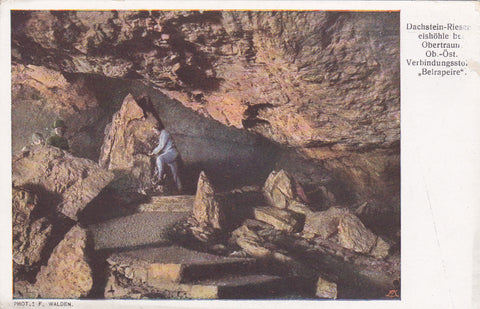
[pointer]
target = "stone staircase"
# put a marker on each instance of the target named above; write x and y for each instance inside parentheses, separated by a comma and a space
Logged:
(176, 272)
(144, 262)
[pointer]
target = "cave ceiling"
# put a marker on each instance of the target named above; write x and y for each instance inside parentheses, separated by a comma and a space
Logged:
(306, 79)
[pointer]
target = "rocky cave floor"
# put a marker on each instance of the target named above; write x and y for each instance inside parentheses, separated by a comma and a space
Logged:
(253, 242)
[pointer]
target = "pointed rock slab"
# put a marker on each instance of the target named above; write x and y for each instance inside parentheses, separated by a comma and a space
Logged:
(207, 209)
(128, 140)
(281, 219)
(29, 236)
(48, 171)
(67, 274)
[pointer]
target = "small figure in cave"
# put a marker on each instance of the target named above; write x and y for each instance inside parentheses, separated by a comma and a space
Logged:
(37, 139)
(167, 154)
(58, 140)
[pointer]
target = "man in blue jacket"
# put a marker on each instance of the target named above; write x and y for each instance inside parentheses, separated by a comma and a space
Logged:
(166, 154)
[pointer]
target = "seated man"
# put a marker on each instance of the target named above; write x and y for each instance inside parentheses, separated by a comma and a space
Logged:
(58, 140)
(167, 154)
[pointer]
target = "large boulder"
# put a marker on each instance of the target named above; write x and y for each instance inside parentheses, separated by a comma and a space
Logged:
(67, 274)
(128, 140)
(68, 182)
(29, 234)
(353, 235)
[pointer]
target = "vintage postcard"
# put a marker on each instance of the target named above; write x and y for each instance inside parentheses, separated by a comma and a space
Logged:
(239, 154)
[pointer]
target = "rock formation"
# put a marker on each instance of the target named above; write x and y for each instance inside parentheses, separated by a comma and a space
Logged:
(64, 181)
(128, 140)
(67, 274)
(321, 87)
(326, 83)
(352, 233)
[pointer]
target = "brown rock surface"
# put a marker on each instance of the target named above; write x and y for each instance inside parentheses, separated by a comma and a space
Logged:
(49, 170)
(67, 274)
(335, 80)
(128, 140)
(326, 83)
(29, 235)
(207, 209)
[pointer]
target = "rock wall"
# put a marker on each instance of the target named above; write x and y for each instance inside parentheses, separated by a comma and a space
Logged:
(323, 83)
(301, 78)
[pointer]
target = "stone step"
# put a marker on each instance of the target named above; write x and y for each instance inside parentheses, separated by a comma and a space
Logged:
(140, 229)
(178, 264)
(176, 203)
(230, 287)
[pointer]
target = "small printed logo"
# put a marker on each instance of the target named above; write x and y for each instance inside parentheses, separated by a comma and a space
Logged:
(393, 294)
